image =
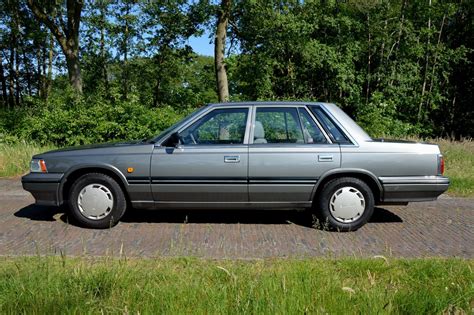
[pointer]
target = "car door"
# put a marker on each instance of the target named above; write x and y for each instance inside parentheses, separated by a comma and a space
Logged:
(211, 163)
(288, 153)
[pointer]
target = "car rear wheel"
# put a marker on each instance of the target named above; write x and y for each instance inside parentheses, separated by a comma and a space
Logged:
(97, 201)
(345, 204)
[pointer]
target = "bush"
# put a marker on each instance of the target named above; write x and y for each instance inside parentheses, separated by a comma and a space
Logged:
(379, 119)
(73, 121)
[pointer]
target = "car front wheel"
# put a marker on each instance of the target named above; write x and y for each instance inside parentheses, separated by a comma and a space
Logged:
(345, 204)
(97, 201)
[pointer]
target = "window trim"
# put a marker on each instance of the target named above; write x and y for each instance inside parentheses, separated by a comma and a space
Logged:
(350, 140)
(245, 138)
(323, 131)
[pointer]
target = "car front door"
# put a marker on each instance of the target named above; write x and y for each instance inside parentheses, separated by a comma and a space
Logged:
(211, 163)
(288, 153)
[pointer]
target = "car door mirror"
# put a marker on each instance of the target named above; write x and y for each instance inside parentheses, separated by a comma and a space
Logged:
(174, 140)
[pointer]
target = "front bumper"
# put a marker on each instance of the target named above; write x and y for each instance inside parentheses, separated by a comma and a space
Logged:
(44, 187)
(413, 188)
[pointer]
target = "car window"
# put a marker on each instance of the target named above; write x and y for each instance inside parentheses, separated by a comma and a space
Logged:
(277, 125)
(311, 131)
(220, 126)
(331, 128)
(176, 125)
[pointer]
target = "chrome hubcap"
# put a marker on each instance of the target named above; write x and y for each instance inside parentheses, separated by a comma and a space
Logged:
(347, 204)
(95, 201)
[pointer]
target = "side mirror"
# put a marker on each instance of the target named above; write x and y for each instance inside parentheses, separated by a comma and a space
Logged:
(174, 140)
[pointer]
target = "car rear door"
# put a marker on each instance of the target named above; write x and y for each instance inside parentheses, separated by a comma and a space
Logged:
(210, 165)
(288, 152)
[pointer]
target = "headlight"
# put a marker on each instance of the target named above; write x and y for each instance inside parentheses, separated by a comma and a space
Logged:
(38, 166)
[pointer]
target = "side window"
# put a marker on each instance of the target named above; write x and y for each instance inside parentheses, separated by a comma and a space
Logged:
(329, 125)
(311, 131)
(277, 125)
(221, 126)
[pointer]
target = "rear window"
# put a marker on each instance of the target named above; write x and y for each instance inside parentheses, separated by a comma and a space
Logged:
(331, 128)
(277, 125)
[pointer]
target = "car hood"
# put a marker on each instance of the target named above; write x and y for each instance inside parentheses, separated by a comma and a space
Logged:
(105, 147)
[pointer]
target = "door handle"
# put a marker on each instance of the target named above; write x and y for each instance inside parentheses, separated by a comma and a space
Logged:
(231, 159)
(325, 158)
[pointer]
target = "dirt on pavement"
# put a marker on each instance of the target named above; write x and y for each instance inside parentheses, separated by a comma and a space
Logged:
(440, 228)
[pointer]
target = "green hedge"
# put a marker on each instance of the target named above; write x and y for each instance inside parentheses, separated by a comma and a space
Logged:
(67, 120)
(75, 122)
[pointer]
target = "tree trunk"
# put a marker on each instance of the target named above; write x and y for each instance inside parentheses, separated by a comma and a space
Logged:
(49, 81)
(17, 77)
(38, 72)
(11, 74)
(156, 93)
(423, 88)
(396, 45)
(369, 42)
(102, 49)
(67, 35)
(382, 52)
(27, 71)
(159, 60)
(219, 47)
(3, 81)
(74, 71)
(435, 62)
(125, 55)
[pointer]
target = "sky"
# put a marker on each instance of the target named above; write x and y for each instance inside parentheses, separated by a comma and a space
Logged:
(202, 45)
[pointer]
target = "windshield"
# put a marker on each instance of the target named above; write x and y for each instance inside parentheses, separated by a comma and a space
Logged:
(176, 125)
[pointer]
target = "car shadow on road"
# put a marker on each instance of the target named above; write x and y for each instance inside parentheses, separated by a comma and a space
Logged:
(302, 218)
(382, 215)
(39, 213)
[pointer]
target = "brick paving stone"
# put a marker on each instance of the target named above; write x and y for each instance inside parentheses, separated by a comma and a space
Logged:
(442, 228)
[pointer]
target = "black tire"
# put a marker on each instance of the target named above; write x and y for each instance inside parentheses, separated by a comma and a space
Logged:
(323, 212)
(118, 197)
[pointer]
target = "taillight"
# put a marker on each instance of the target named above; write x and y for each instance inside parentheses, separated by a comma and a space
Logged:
(440, 165)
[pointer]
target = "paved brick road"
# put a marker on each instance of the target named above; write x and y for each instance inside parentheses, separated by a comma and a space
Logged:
(441, 228)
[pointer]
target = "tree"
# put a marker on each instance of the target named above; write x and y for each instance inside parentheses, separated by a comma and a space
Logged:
(96, 41)
(219, 50)
(169, 24)
(66, 34)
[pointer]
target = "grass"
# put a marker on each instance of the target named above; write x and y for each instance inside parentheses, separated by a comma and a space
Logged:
(459, 158)
(52, 284)
(15, 158)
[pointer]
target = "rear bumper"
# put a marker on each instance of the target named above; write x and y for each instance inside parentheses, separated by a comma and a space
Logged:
(413, 188)
(44, 187)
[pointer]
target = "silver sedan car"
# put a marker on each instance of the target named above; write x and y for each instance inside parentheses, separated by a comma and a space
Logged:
(252, 155)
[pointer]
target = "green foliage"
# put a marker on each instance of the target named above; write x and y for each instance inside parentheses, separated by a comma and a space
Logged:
(50, 285)
(66, 121)
(379, 119)
(399, 67)
(394, 65)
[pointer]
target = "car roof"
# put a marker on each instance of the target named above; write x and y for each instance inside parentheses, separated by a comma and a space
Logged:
(260, 103)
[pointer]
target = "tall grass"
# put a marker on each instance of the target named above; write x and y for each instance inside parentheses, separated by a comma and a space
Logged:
(15, 158)
(459, 157)
(50, 285)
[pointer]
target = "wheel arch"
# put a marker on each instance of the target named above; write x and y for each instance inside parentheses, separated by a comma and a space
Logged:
(74, 173)
(369, 178)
